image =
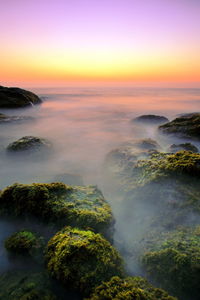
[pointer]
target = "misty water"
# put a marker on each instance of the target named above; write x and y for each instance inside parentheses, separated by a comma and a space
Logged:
(83, 125)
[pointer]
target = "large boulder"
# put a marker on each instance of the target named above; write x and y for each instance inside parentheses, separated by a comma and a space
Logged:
(15, 98)
(58, 204)
(82, 259)
(129, 288)
(187, 126)
(151, 119)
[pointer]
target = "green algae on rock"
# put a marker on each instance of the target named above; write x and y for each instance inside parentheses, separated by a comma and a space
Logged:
(24, 243)
(82, 259)
(130, 288)
(15, 98)
(187, 126)
(173, 261)
(59, 204)
(122, 159)
(20, 285)
(29, 143)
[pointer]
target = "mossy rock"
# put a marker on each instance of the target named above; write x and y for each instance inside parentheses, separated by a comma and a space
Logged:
(16, 98)
(173, 261)
(186, 146)
(122, 159)
(130, 288)
(24, 243)
(58, 204)
(187, 126)
(28, 143)
(151, 119)
(17, 285)
(82, 259)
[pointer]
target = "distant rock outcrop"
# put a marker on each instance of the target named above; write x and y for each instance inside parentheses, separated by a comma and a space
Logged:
(15, 98)
(153, 119)
(186, 127)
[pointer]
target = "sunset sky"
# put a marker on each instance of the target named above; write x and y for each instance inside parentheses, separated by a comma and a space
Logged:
(52, 42)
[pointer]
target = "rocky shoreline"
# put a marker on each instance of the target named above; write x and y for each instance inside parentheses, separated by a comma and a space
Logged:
(80, 255)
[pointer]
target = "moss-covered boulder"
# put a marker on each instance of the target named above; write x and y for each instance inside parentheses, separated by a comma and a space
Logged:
(187, 126)
(5, 119)
(59, 204)
(15, 98)
(24, 243)
(186, 146)
(130, 288)
(82, 259)
(25, 286)
(29, 143)
(173, 261)
(151, 119)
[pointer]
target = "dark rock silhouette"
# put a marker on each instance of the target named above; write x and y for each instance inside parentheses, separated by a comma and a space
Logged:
(15, 97)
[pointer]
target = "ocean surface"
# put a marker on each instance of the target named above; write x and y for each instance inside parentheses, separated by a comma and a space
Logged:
(83, 125)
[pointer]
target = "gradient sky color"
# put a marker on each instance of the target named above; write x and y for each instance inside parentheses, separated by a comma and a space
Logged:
(58, 41)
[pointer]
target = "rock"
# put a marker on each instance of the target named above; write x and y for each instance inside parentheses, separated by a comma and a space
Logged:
(82, 259)
(186, 127)
(151, 119)
(28, 143)
(124, 157)
(67, 178)
(16, 98)
(24, 243)
(128, 288)
(173, 261)
(4, 119)
(19, 285)
(186, 146)
(58, 204)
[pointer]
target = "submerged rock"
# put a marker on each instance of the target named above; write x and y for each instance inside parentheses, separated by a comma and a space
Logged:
(82, 259)
(68, 178)
(29, 143)
(58, 204)
(129, 288)
(4, 119)
(186, 127)
(122, 159)
(151, 119)
(19, 285)
(172, 259)
(16, 97)
(186, 146)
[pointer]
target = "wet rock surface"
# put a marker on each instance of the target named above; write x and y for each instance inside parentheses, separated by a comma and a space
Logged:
(187, 126)
(15, 98)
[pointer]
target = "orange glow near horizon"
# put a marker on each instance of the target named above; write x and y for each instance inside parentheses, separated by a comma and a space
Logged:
(137, 42)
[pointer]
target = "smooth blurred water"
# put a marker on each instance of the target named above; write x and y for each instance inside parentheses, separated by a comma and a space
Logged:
(83, 124)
